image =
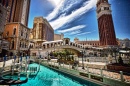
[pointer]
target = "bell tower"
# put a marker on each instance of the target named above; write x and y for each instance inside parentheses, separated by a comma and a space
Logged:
(105, 24)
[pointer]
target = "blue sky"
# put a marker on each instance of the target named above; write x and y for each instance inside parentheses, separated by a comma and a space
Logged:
(77, 18)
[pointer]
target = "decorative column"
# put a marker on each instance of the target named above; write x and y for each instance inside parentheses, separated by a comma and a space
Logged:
(121, 76)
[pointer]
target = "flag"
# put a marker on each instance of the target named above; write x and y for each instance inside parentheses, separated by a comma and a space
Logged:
(15, 57)
(5, 58)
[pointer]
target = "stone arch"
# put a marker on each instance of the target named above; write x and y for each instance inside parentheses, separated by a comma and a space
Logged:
(62, 43)
(48, 46)
(58, 43)
(44, 46)
(67, 42)
(71, 44)
(51, 44)
(74, 44)
(54, 44)
(78, 46)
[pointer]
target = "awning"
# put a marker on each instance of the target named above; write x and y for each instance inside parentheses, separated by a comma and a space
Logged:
(124, 51)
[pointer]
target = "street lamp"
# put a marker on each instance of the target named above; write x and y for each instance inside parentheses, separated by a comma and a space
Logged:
(116, 52)
(47, 55)
(82, 53)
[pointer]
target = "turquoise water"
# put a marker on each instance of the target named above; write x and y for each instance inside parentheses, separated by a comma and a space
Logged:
(48, 77)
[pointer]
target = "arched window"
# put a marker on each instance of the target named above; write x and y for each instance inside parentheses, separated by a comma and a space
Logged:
(12, 45)
(7, 34)
(21, 33)
(26, 35)
(20, 44)
(14, 32)
(66, 41)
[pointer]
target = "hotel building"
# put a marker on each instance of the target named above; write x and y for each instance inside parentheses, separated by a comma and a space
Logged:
(42, 30)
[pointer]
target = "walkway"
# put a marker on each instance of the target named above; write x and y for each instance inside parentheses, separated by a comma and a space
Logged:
(8, 63)
(99, 72)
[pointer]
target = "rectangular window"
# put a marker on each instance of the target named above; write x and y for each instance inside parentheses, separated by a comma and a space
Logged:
(106, 8)
(14, 32)
(99, 11)
(0, 12)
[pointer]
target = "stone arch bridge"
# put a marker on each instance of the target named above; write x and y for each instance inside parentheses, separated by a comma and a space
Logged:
(37, 48)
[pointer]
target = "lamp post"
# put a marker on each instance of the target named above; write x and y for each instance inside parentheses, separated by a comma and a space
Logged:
(47, 55)
(39, 52)
(82, 53)
(116, 51)
(28, 52)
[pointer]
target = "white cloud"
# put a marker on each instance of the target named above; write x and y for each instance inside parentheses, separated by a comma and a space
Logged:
(72, 29)
(75, 32)
(60, 22)
(84, 33)
(72, 33)
(54, 13)
(55, 2)
(63, 6)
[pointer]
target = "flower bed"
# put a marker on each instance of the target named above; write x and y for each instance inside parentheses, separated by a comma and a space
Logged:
(118, 68)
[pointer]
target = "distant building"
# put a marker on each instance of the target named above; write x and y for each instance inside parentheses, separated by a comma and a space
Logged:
(88, 43)
(124, 43)
(105, 24)
(42, 30)
(18, 10)
(58, 36)
(18, 36)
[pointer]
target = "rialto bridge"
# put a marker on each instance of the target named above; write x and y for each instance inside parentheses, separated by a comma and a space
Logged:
(43, 48)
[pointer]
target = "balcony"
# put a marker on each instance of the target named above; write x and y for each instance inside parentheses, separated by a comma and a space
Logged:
(12, 36)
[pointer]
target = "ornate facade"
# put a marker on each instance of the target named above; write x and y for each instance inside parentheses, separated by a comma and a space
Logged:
(105, 24)
(88, 43)
(49, 46)
(18, 36)
(42, 30)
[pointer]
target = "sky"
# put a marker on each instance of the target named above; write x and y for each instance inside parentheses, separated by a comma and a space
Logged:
(77, 18)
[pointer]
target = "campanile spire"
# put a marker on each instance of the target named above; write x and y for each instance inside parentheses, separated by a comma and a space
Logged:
(105, 24)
